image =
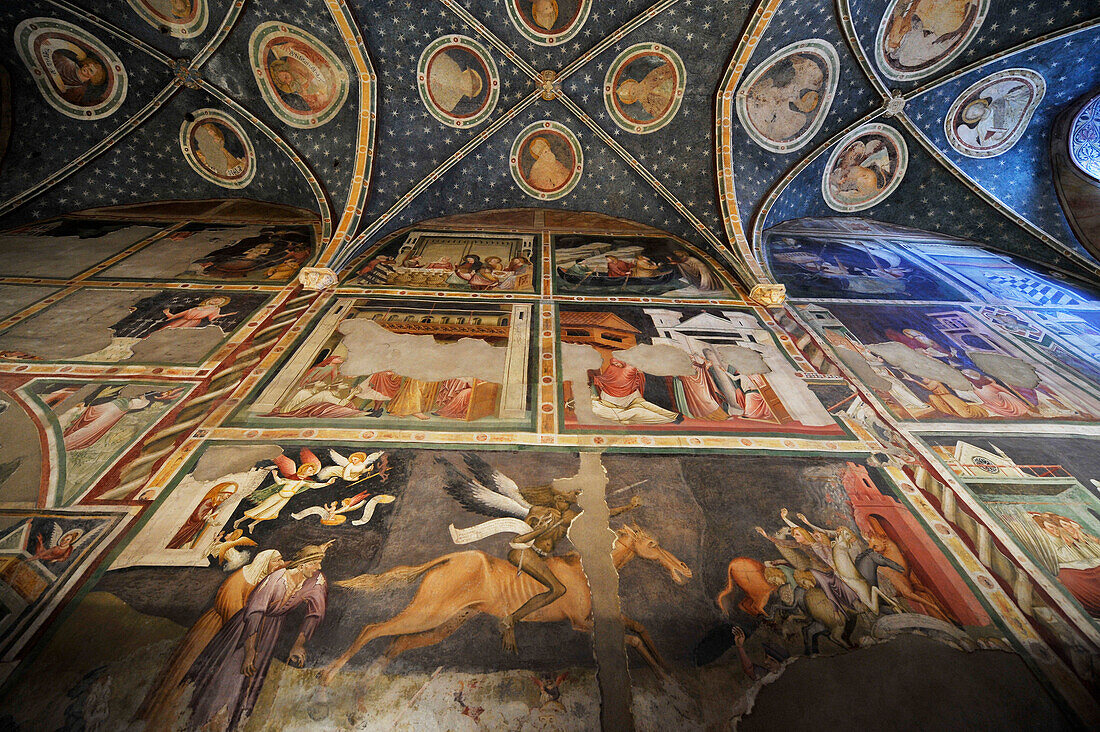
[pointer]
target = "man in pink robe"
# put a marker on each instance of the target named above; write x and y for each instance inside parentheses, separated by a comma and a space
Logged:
(701, 393)
(103, 409)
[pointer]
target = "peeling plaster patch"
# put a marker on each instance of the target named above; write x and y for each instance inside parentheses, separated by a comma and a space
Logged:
(659, 360)
(372, 348)
(576, 361)
(921, 365)
(1007, 369)
(221, 460)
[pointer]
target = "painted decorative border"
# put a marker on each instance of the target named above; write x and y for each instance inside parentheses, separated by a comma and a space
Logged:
(490, 66)
(25, 35)
(903, 163)
(643, 49)
(821, 48)
(542, 38)
(185, 29)
(255, 49)
(1035, 82)
(200, 116)
(517, 147)
(892, 73)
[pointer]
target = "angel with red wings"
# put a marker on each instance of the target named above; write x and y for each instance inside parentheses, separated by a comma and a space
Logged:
(290, 480)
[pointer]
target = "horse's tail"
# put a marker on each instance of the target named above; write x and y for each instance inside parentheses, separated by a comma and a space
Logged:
(375, 582)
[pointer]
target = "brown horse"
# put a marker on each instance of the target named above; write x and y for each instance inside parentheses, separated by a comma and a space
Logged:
(459, 585)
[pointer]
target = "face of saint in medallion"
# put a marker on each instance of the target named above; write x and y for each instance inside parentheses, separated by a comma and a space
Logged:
(300, 78)
(458, 81)
(864, 168)
(644, 86)
(180, 18)
(989, 117)
(216, 147)
(546, 160)
(784, 101)
(916, 38)
(548, 22)
(75, 72)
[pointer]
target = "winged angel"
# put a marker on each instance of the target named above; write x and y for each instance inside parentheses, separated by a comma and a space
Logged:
(60, 545)
(290, 480)
(539, 516)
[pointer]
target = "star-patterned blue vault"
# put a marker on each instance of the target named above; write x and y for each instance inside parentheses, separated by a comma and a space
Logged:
(382, 162)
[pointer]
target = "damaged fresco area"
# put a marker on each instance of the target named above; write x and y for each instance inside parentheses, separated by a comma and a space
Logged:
(373, 361)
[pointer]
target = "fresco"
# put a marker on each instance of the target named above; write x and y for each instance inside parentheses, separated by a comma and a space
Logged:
(546, 160)
(688, 369)
(218, 149)
(1001, 278)
(454, 260)
(377, 362)
(864, 168)
(76, 73)
(41, 552)
(548, 22)
(89, 425)
(68, 247)
(109, 326)
(933, 363)
(916, 39)
(990, 116)
(644, 87)
(1072, 337)
(300, 79)
(458, 81)
(222, 253)
(1052, 509)
(784, 101)
(639, 265)
(823, 266)
(790, 558)
(181, 18)
(325, 594)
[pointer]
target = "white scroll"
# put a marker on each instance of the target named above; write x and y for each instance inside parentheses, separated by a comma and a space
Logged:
(489, 528)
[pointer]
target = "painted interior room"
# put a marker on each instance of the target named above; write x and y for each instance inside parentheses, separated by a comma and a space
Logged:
(549, 365)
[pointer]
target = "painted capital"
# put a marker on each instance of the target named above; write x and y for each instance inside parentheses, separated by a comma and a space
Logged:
(769, 295)
(317, 278)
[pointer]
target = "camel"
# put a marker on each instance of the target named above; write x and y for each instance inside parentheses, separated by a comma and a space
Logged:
(457, 586)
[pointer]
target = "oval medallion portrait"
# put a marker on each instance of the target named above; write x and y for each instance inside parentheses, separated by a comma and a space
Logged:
(918, 37)
(992, 115)
(458, 81)
(299, 77)
(75, 72)
(548, 22)
(546, 160)
(179, 18)
(784, 101)
(864, 168)
(643, 87)
(218, 149)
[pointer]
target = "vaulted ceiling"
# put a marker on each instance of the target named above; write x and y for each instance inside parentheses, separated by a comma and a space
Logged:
(376, 152)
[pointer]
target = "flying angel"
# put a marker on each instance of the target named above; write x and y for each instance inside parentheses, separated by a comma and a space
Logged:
(331, 514)
(352, 467)
(227, 549)
(290, 480)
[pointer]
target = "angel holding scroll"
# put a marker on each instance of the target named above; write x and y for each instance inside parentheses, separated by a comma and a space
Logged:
(539, 516)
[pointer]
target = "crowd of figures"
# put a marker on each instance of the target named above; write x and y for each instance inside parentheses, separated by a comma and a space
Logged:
(470, 272)
(829, 585)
